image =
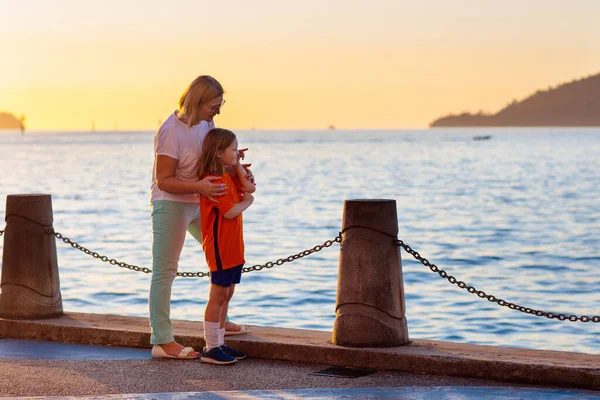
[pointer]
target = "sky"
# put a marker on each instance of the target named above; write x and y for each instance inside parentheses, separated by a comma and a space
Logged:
(378, 64)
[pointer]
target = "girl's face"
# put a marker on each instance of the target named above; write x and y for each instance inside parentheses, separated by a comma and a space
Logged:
(208, 110)
(229, 156)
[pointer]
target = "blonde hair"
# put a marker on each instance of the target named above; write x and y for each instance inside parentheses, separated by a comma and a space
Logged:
(204, 88)
(217, 139)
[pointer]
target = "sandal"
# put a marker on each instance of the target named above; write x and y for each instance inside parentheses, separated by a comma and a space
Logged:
(243, 330)
(184, 354)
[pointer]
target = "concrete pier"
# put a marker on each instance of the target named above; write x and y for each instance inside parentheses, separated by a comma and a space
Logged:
(540, 367)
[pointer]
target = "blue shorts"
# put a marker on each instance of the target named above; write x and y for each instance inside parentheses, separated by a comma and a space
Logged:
(227, 277)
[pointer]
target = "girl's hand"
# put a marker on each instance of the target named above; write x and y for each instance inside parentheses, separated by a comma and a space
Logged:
(249, 175)
(211, 190)
(242, 153)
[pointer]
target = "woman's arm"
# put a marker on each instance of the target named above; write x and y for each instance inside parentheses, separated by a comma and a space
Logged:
(242, 175)
(240, 207)
(166, 181)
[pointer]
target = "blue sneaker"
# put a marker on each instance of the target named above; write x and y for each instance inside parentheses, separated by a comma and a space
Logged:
(216, 355)
(240, 355)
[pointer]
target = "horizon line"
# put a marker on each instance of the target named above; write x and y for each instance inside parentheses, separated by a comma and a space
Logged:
(233, 129)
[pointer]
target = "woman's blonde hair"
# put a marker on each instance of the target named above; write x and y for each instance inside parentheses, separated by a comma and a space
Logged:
(217, 139)
(204, 88)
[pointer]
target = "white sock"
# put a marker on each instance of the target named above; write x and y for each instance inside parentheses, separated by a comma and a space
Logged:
(211, 334)
(221, 336)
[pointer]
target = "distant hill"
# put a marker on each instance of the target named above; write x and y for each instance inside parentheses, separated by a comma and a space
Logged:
(575, 103)
(9, 121)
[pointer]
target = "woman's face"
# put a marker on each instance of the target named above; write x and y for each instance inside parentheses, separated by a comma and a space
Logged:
(208, 110)
(229, 156)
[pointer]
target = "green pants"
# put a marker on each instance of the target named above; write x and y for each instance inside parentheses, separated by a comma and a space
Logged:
(170, 222)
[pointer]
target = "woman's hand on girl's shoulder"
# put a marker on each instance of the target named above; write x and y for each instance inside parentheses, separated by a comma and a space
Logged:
(210, 190)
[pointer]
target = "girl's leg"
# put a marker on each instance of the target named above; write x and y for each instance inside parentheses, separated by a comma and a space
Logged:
(169, 222)
(214, 353)
(223, 316)
(225, 307)
(217, 297)
(230, 351)
(195, 229)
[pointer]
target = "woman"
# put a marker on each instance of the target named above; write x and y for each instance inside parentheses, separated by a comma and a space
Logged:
(174, 203)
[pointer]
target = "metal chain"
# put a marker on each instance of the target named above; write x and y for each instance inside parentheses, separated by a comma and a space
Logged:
(493, 299)
(258, 267)
(328, 243)
(281, 261)
(112, 261)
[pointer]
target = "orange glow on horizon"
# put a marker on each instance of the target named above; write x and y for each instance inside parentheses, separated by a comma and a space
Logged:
(345, 64)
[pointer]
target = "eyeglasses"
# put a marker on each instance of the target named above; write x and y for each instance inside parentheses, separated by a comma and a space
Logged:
(216, 108)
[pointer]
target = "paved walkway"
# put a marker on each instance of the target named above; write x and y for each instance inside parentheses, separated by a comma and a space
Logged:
(535, 367)
(408, 393)
(34, 349)
(35, 368)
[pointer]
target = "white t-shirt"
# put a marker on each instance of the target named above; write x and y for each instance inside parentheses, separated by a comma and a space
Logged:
(177, 140)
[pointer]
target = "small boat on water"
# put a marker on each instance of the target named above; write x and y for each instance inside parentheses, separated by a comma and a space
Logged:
(485, 137)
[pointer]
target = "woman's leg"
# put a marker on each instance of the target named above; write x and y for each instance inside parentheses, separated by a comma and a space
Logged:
(195, 227)
(169, 222)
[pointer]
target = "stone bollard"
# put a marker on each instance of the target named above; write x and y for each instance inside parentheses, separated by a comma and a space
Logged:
(30, 286)
(370, 295)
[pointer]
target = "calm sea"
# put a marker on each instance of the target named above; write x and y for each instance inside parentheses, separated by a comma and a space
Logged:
(516, 216)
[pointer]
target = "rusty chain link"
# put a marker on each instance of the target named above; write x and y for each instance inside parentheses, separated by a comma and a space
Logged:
(258, 267)
(489, 297)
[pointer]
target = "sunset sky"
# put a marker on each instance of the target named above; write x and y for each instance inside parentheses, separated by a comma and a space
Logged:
(284, 65)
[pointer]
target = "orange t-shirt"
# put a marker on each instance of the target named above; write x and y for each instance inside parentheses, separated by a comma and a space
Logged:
(222, 238)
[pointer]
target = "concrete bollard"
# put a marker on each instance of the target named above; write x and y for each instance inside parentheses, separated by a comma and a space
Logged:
(30, 287)
(370, 310)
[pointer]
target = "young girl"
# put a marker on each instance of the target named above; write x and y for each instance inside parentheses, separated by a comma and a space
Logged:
(222, 237)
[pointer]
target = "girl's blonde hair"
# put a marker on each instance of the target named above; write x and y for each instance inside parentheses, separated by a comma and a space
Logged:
(204, 88)
(217, 139)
